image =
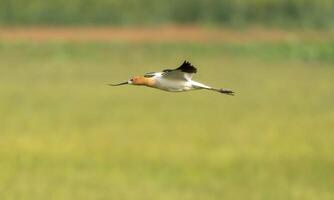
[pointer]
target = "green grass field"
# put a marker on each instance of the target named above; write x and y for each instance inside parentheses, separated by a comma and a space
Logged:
(240, 13)
(66, 135)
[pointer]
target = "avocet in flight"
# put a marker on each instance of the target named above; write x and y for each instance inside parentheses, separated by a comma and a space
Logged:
(173, 80)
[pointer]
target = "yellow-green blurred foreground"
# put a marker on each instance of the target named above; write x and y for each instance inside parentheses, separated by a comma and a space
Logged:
(66, 135)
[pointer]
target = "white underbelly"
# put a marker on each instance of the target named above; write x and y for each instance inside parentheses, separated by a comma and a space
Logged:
(174, 86)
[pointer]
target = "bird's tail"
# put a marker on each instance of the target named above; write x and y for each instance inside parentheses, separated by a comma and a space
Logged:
(223, 91)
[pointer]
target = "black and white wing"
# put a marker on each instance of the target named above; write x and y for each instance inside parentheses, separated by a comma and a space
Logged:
(184, 72)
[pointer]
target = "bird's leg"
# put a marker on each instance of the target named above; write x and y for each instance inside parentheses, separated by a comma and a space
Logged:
(198, 85)
(223, 91)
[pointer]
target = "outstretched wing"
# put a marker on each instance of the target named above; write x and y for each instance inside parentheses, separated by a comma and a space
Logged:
(184, 72)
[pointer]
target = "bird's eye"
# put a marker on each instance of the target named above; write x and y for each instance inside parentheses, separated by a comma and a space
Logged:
(131, 79)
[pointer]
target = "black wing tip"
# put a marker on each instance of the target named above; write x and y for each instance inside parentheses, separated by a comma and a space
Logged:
(187, 67)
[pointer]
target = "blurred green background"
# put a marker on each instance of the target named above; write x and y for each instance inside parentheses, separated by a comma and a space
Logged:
(66, 135)
(287, 13)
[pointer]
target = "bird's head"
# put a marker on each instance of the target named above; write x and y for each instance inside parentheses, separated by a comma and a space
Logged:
(137, 80)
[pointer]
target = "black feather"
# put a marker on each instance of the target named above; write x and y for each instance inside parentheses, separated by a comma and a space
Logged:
(168, 70)
(187, 67)
(149, 74)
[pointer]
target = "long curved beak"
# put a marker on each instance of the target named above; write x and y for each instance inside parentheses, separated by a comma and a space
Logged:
(119, 84)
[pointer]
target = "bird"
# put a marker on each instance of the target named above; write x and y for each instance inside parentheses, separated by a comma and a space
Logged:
(173, 80)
